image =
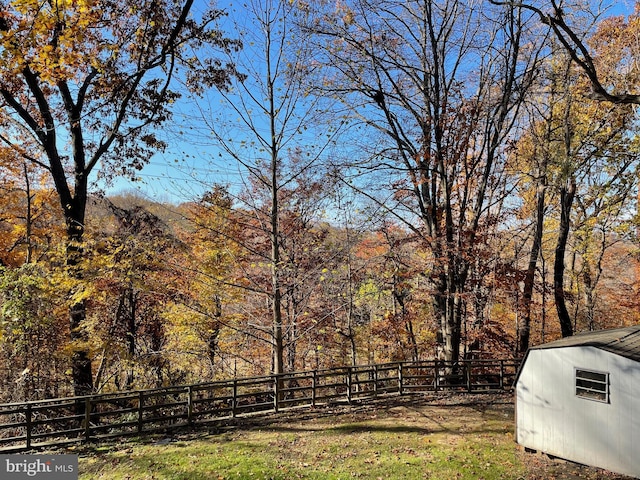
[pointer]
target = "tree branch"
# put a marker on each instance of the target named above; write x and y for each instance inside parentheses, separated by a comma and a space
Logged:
(578, 52)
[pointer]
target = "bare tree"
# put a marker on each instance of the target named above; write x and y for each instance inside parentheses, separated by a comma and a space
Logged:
(441, 83)
(270, 139)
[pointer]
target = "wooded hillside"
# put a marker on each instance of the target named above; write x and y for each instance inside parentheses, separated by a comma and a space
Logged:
(414, 181)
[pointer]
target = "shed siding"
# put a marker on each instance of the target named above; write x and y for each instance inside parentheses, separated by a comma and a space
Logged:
(552, 419)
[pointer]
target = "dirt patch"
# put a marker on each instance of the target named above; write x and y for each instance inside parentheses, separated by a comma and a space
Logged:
(543, 467)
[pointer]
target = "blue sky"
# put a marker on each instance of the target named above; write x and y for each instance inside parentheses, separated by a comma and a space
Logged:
(192, 161)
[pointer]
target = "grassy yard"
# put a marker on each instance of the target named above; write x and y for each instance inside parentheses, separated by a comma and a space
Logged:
(434, 437)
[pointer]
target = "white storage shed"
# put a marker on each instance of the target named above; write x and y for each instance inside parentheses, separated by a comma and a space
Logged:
(578, 398)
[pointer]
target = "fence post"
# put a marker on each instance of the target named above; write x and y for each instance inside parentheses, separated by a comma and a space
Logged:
(400, 379)
(314, 386)
(501, 374)
(234, 400)
(467, 374)
(190, 405)
(87, 419)
(28, 425)
(375, 380)
(349, 381)
(140, 410)
(436, 375)
(276, 392)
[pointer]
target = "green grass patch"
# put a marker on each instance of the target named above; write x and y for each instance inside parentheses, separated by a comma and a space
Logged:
(414, 440)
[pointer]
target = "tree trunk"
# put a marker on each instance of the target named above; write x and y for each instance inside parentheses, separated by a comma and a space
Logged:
(589, 296)
(276, 310)
(80, 359)
(29, 214)
(448, 307)
(212, 339)
(274, 150)
(567, 194)
(351, 310)
(524, 327)
(130, 312)
(276, 287)
(292, 334)
(415, 355)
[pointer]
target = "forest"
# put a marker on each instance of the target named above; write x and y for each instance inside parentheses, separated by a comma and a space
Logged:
(360, 182)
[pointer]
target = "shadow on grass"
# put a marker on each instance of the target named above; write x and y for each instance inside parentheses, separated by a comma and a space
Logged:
(325, 442)
(434, 410)
(366, 415)
(364, 427)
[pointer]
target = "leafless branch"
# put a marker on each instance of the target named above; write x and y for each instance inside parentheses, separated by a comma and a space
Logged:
(577, 50)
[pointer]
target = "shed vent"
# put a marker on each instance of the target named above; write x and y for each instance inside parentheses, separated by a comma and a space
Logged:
(592, 385)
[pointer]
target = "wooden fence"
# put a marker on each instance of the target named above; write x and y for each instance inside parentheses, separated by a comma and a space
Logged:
(62, 421)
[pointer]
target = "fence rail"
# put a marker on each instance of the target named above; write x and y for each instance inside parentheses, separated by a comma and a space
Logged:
(62, 421)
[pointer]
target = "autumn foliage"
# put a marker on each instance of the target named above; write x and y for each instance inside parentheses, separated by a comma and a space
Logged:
(448, 222)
